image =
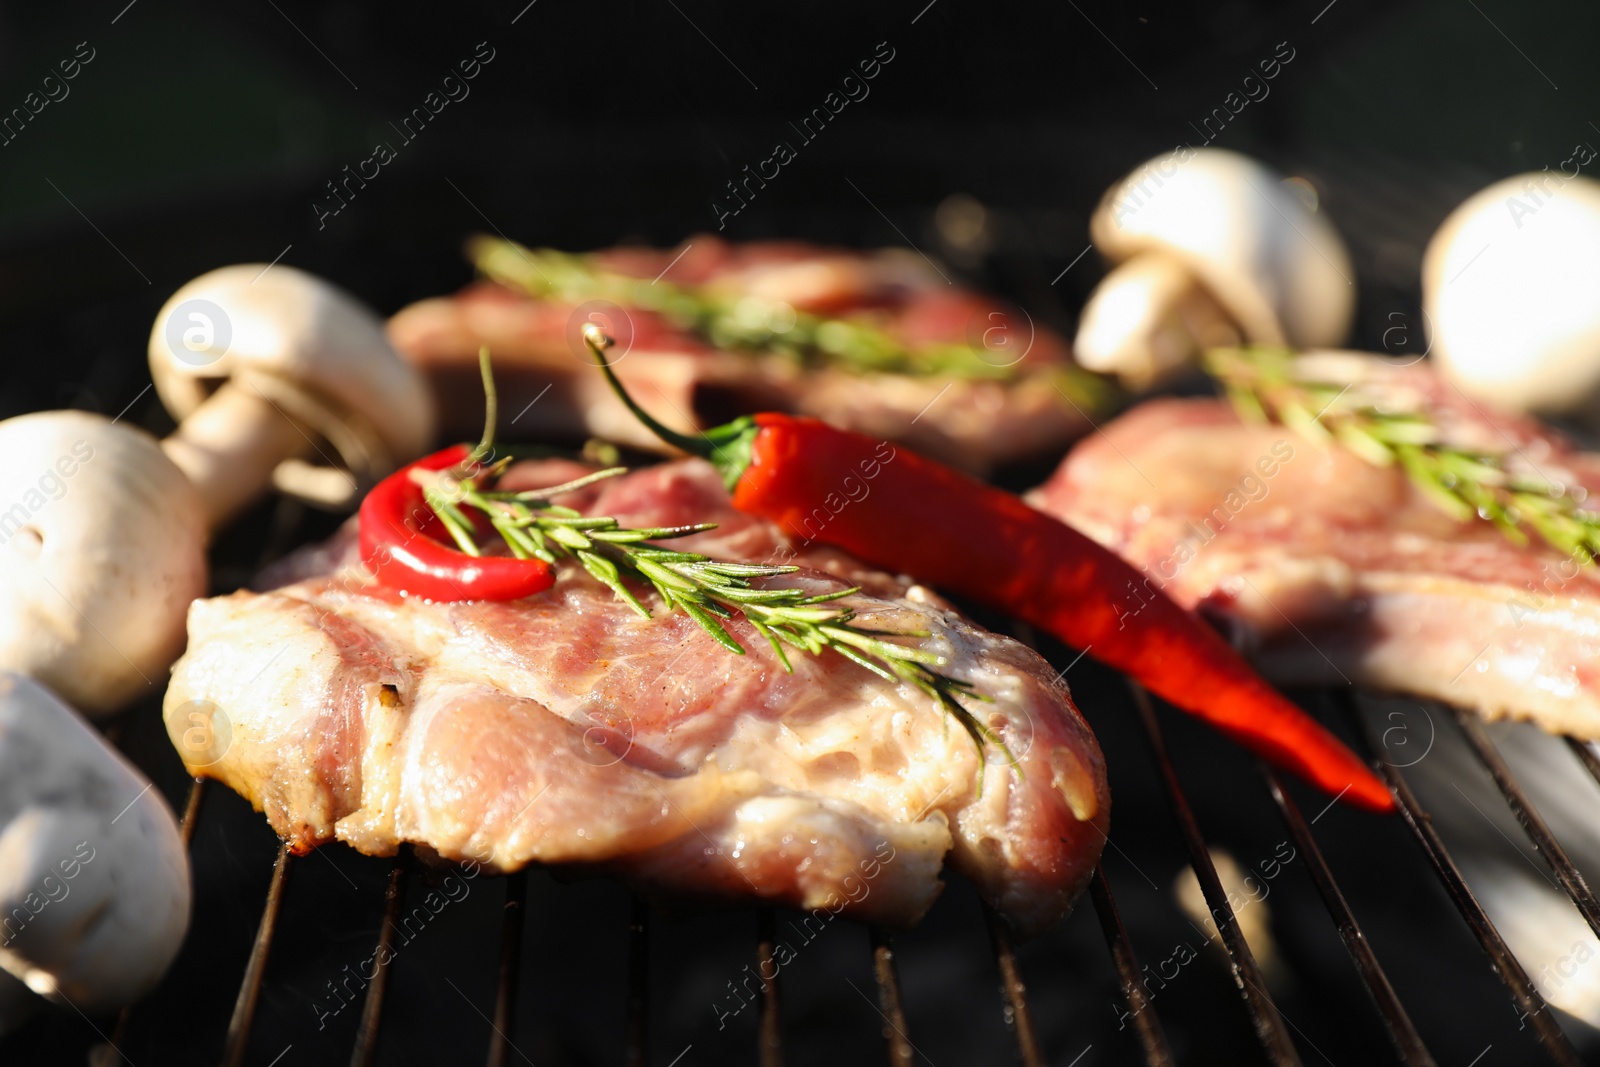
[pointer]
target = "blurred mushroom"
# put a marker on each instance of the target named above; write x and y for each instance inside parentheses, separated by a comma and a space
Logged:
(1212, 248)
(1511, 284)
(262, 366)
(1247, 894)
(103, 546)
(94, 880)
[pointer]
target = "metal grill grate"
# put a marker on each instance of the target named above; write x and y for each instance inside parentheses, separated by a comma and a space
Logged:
(1270, 1028)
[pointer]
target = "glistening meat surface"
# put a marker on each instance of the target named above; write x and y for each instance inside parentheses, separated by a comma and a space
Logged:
(1328, 568)
(564, 729)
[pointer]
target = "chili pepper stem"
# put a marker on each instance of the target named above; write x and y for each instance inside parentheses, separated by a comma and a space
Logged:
(726, 448)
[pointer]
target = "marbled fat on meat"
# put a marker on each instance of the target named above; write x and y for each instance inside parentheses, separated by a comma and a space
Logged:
(563, 729)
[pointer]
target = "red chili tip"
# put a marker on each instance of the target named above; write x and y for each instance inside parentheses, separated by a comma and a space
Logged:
(1369, 793)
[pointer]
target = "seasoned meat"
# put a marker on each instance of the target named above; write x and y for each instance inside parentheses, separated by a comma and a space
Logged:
(975, 423)
(564, 729)
(1330, 569)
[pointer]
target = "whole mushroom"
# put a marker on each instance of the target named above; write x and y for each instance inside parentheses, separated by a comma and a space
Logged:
(102, 549)
(1511, 286)
(269, 369)
(94, 879)
(1212, 248)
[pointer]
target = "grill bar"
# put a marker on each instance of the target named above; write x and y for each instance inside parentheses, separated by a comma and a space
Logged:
(191, 811)
(1533, 824)
(1018, 1018)
(505, 998)
(639, 984)
(1269, 1026)
(1584, 750)
(1505, 964)
(244, 1009)
(901, 1052)
(1407, 1042)
(366, 1047)
(769, 1031)
(1145, 1024)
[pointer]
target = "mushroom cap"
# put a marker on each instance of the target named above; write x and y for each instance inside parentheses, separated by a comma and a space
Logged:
(1277, 267)
(89, 853)
(304, 344)
(102, 548)
(1511, 286)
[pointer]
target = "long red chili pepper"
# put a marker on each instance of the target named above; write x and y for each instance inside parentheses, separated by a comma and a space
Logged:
(960, 535)
(404, 556)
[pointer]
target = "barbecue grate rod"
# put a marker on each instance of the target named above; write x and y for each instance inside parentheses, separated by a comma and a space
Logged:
(1145, 1024)
(1585, 752)
(191, 811)
(1533, 824)
(901, 1051)
(769, 1032)
(366, 1047)
(505, 997)
(244, 1010)
(1407, 1042)
(1246, 972)
(1018, 1018)
(1504, 962)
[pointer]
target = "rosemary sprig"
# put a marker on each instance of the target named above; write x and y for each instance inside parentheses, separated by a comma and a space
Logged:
(1269, 384)
(753, 325)
(709, 591)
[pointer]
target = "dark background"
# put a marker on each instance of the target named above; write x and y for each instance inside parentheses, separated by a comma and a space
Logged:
(202, 134)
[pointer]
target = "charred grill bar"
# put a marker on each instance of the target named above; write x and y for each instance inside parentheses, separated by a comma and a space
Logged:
(1407, 1042)
(1270, 1030)
(244, 1010)
(394, 896)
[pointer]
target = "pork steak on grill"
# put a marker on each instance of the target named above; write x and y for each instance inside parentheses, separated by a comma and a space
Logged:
(1030, 409)
(1330, 570)
(564, 729)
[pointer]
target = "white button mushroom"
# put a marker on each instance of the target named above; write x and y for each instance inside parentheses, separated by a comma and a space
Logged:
(1213, 248)
(1511, 285)
(94, 880)
(265, 367)
(102, 548)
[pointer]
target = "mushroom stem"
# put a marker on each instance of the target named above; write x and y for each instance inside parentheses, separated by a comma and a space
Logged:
(229, 445)
(294, 386)
(1148, 319)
